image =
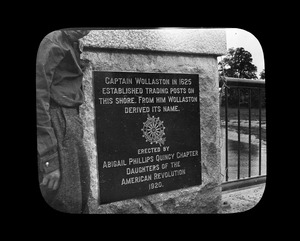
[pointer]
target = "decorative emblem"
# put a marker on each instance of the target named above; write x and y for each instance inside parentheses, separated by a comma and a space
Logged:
(153, 130)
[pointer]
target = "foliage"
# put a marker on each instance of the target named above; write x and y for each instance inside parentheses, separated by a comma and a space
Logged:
(238, 64)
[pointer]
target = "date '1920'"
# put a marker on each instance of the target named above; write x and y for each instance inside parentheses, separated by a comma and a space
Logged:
(155, 185)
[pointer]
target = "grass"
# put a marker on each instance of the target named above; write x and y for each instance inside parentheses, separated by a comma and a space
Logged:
(244, 115)
(254, 131)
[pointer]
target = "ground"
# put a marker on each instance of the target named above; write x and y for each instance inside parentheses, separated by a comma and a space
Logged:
(241, 200)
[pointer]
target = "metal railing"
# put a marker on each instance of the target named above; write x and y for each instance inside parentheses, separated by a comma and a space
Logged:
(246, 95)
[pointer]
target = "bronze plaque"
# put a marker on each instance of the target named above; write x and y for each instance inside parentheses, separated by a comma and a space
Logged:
(148, 133)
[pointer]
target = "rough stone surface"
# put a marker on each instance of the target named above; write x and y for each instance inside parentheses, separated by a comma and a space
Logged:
(196, 41)
(199, 199)
(205, 198)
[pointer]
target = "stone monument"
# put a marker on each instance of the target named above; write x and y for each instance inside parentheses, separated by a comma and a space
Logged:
(151, 120)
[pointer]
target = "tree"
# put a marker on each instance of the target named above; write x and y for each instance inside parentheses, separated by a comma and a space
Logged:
(238, 64)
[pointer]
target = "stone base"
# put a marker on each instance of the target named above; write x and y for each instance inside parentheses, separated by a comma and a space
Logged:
(183, 201)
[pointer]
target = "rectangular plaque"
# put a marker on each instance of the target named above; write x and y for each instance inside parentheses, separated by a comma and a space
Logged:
(148, 133)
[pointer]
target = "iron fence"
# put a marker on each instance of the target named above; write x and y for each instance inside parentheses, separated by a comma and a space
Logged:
(246, 97)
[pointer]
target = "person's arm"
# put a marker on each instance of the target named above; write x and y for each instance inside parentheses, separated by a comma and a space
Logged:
(48, 57)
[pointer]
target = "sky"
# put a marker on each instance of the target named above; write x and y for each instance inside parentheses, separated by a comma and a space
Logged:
(236, 38)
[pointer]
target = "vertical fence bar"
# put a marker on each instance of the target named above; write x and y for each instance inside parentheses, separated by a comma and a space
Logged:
(238, 86)
(249, 163)
(259, 160)
(226, 135)
(238, 170)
